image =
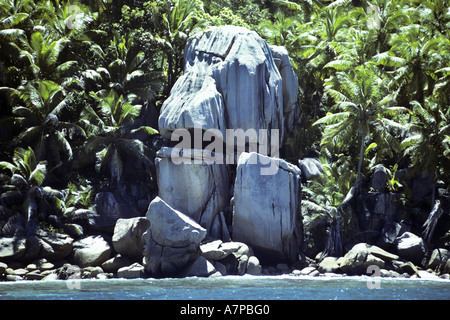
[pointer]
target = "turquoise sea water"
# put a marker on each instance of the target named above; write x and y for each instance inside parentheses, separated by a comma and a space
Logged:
(230, 288)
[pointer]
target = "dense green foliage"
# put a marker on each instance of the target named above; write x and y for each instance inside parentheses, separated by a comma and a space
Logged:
(374, 82)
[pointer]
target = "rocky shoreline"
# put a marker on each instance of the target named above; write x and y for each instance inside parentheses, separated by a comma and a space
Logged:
(219, 258)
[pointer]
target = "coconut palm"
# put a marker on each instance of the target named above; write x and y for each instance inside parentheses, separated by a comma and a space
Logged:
(280, 32)
(389, 15)
(36, 113)
(428, 140)
(24, 188)
(64, 18)
(129, 72)
(363, 112)
(12, 16)
(43, 53)
(25, 170)
(179, 22)
(415, 56)
(111, 144)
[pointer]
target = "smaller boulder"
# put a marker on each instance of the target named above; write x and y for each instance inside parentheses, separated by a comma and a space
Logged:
(134, 271)
(253, 266)
(54, 246)
(329, 264)
(74, 230)
(90, 251)
(212, 251)
(379, 178)
(199, 268)
(12, 248)
(409, 268)
(307, 270)
(115, 263)
(439, 258)
(68, 271)
(242, 265)
(447, 267)
(411, 247)
(311, 168)
(172, 241)
(127, 238)
(358, 259)
(110, 207)
(238, 249)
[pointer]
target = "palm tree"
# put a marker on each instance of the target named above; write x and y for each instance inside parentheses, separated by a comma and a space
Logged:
(37, 112)
(179, 22)
(390, 16)
(415, 56)
(43, 53)
(280, 32)
(65, 19)
(428, 140)
(129, 71)
(24, 187)
(363, 112)
(112, 144)
(25, 170)
(16, 8)
(13, 14)
(434, 15)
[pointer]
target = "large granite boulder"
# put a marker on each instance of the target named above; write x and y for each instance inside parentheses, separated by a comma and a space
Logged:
(231, 81)
(290, 85)
(172, 240)
(198, 190)
(266, 213)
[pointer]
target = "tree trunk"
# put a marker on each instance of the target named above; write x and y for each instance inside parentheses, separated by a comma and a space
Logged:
(361, 154)
(431, 222)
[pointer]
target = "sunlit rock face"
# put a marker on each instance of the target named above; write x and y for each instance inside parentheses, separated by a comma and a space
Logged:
(266, 213)
(199, 190)
(232, 81)
(172, 240)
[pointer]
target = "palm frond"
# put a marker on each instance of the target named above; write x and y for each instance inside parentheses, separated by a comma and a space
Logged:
(332, 118)
(11, 34)
(39, 173)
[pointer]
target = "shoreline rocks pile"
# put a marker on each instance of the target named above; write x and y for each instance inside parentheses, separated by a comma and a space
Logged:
(212, 258)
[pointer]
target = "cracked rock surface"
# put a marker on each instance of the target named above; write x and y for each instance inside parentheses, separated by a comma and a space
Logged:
(231, 80)
(267, 221)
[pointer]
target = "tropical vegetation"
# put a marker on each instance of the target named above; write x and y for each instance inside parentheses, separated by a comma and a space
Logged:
(77, 78)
